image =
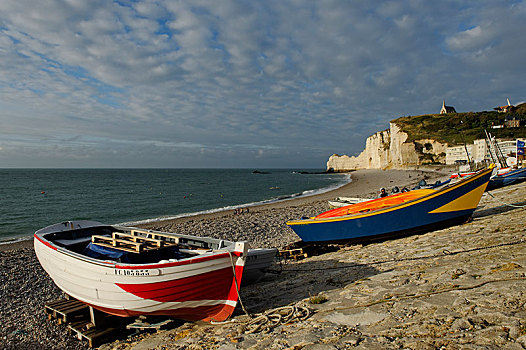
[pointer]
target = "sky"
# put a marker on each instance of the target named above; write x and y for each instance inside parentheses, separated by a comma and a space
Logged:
(242, 84)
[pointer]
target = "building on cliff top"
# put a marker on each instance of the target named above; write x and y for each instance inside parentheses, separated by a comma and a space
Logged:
(479, 151)
(505, 109)
(447, 109)
(512, 121)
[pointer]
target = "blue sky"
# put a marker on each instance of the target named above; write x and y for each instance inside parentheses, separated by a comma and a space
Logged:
(241, 83)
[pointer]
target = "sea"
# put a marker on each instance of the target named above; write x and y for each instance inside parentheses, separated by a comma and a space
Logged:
(35, 198)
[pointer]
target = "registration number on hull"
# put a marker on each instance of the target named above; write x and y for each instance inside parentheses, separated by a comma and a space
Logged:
(136, 272)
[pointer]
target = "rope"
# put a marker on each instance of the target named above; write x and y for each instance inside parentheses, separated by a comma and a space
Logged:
(508, 204)
(270, 319)
(445, 252)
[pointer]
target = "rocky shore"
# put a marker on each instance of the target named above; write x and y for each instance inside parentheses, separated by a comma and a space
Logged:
(456, 288)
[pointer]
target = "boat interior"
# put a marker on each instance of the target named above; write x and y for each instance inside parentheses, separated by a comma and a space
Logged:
(130, 245)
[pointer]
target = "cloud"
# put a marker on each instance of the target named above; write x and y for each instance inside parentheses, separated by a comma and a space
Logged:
(190, 82)
(468, 39)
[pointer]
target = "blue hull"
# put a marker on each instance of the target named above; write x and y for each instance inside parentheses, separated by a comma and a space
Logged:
(450, 205)
(510, 178)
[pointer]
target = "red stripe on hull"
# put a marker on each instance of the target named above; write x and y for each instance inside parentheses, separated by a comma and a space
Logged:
(179, 263)
(201, 313)
(214, 285)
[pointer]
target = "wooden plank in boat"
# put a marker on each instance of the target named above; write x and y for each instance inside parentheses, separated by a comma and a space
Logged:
(137, 246)
(140, 239)
(120, 244)
(155, 235)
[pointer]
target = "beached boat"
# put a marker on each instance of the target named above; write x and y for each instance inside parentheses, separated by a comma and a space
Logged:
(343, 201)
(405, 213)
(500, 171)
(507, 178)
(127, 271)
(461, 174)
(258, 262)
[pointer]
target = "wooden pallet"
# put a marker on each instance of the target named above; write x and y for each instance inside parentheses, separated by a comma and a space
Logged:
(296, 254)
(66, 310)
(86, 330)
(149, 323)
(94, 326)
(131, 242)
(301, 252)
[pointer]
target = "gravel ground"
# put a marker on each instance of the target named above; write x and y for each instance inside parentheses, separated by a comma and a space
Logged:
(25, 289)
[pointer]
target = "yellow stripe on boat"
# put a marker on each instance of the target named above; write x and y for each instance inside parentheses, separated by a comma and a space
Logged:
(467, 201)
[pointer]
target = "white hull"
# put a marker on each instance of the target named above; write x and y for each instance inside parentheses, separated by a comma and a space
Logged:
(343, 201)
(199, 287)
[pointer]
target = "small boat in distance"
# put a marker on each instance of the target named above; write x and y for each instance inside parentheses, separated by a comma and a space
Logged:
(406, 213)
(459, 175)
(343, 201)
(126, 271)
(374, 204)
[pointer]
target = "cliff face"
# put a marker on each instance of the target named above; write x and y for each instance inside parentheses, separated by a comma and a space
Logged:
(388, 150)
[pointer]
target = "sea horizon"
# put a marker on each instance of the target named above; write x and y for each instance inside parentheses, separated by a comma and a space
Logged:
(38, 197)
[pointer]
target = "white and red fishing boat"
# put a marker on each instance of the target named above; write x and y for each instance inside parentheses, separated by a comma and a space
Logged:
(499, 171)
(127, 271)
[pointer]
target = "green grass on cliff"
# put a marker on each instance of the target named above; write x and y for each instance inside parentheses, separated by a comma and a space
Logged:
(452, 128)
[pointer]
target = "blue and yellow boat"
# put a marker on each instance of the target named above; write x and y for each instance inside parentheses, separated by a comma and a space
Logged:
(403, 214)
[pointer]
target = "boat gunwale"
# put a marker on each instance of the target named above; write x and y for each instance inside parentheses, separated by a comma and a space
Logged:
(510, 173)
(212, 254)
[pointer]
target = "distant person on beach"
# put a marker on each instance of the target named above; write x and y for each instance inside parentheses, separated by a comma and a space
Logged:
(383, 193)
(240, 211)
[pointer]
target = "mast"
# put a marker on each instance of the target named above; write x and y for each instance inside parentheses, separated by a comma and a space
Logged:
(465, 146)
(488, 144)
(504, 163)
(494, 149)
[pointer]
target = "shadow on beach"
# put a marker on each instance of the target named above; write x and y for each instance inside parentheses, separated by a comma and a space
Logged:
(505, 207)
(300, 281)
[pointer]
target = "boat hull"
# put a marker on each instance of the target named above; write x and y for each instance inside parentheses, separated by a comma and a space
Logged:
(204, 287)
(507, 179)
(450, 205)
(257, 264)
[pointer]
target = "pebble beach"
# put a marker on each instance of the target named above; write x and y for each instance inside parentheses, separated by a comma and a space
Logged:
(458, 288)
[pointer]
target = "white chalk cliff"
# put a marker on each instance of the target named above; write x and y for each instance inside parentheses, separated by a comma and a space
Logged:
(388, 149)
